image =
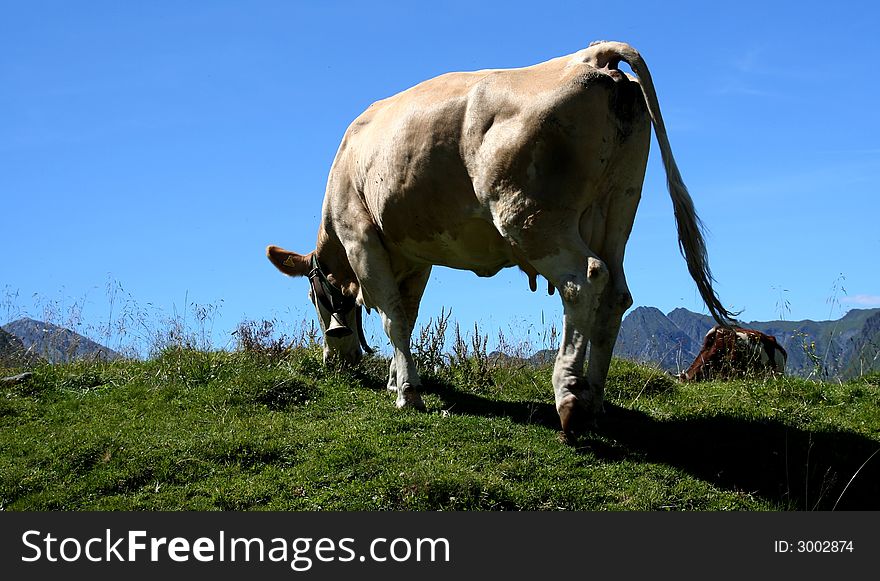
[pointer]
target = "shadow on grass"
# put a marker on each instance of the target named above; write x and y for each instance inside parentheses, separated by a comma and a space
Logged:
(790, 467)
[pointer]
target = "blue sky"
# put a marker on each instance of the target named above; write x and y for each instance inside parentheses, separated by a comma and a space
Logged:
(157, 147)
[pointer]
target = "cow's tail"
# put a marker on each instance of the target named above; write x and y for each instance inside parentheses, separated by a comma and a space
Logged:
(690, 229)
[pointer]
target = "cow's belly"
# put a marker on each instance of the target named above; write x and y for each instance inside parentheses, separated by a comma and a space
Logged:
(473, 245)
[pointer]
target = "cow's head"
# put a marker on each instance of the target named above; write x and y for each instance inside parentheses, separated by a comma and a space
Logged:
(338, 314)
(709, 357)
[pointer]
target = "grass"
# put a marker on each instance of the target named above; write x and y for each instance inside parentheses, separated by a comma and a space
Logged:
(274, 429)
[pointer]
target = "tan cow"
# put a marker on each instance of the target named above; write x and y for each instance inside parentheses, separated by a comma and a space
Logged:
(538, 167)
(734, 351)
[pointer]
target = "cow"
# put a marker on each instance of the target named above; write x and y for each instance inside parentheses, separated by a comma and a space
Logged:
(539, 167)
(733, 351)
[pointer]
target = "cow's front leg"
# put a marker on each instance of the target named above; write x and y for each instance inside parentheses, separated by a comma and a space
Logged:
(403, 378)
(411, 289)
(380, 290)
(392, 377)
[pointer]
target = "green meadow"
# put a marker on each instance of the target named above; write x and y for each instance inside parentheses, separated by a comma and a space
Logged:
(270, 427)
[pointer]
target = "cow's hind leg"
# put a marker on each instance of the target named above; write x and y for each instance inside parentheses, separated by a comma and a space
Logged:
(581, 278)
(616, 297)
(608, 233)
(615, 300)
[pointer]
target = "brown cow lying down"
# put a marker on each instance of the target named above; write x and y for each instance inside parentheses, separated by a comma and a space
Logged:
(730, 351)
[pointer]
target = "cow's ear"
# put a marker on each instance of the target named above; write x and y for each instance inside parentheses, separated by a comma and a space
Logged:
(290, 263)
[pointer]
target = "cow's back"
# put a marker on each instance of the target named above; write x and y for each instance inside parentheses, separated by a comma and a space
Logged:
(435, 165)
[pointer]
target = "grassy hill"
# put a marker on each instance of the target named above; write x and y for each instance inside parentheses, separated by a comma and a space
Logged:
(275, 429)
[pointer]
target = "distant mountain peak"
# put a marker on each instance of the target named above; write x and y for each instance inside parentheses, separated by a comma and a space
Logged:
(54, 343)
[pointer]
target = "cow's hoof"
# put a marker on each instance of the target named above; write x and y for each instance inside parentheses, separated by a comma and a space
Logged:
(575, 418)
(409, 398)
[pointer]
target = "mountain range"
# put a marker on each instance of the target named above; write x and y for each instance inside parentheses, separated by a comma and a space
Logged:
(842, 348)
